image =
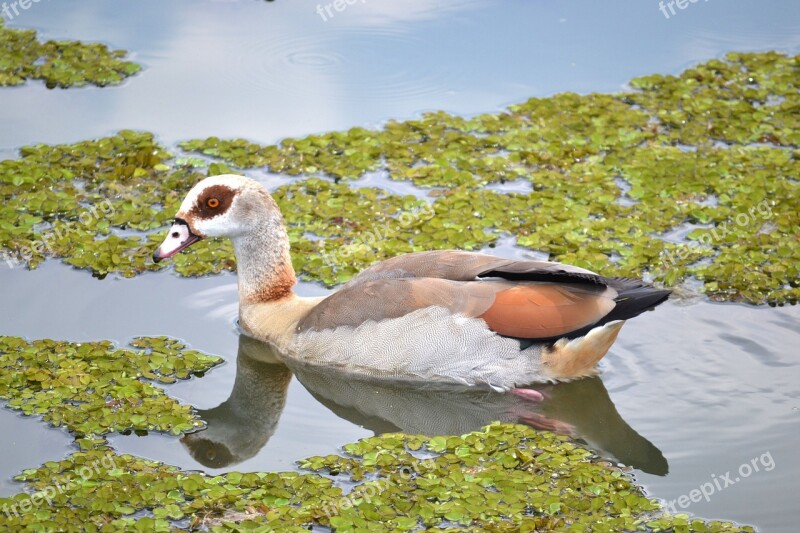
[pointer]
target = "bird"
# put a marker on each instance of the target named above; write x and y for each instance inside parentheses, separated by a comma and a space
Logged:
(444, 316)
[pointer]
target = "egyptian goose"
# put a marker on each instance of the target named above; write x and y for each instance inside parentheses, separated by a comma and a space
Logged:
(450, 316)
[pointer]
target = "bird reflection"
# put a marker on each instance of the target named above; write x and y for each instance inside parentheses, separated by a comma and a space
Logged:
(239, 427)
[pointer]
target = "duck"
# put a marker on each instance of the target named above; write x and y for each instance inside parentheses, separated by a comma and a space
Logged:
(443, 316)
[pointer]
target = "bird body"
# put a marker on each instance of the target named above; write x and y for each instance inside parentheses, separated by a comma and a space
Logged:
(443, 316)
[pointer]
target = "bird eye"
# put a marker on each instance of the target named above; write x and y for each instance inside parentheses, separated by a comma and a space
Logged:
(213, 203)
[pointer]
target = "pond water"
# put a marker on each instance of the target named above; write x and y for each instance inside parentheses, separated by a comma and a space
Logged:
(689, 393)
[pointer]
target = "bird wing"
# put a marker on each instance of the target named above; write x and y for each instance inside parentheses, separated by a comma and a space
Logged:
(522, 309)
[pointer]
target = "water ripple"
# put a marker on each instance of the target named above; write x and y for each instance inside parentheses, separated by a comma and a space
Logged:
(347, 64)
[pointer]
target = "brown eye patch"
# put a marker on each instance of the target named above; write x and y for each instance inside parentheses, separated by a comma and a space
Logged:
(214, 200)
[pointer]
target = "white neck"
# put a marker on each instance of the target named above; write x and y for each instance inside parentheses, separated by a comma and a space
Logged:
(269, 310)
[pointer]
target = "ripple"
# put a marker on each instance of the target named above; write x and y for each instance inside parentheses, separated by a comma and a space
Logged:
(346, 64)
(316, 60)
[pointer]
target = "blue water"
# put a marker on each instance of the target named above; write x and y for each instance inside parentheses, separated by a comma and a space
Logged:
(242, 68)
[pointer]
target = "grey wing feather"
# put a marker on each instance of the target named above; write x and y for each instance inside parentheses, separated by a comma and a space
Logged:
(397, 286)
(467, 266)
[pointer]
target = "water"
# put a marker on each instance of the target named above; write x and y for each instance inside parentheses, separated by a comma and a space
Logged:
(694, 388)
(264, 72)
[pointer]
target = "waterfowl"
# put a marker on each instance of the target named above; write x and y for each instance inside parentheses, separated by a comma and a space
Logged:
(443, 316)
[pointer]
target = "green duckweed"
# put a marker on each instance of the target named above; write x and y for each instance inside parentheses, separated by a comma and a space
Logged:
(93, 388)
(713, 150)
(59, 63)
(625, 184)
(503, 478)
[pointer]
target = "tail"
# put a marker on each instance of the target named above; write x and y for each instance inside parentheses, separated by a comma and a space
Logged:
(634, 298)
(576, 356)
(569, 359)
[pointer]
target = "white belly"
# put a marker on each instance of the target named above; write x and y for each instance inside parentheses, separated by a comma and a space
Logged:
(430, 344)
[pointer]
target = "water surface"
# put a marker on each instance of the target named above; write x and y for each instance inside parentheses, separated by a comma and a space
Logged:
(695, 389)
(265, 72)
(688, 393)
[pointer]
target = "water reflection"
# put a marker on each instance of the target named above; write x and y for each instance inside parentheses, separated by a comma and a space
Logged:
(239, 427)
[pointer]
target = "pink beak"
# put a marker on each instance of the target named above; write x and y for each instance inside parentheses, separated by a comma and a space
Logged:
(178, 238)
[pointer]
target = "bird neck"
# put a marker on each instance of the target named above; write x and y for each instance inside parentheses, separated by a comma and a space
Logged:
(259, 391)
(263, 263)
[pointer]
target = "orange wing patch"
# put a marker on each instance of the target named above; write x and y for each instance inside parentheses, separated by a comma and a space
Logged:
(541, 311)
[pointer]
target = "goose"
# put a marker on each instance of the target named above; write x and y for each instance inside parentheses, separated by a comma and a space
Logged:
(440, 316)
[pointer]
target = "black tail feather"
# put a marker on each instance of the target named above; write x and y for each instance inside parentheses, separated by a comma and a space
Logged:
(634, 298)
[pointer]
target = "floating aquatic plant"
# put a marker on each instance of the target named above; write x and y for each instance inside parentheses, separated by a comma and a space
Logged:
(503, 478)
(336, 231)
(59, 63)
(743, 99)
(714, 150)
(624, 184)
(93, 388)
(90, 203)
